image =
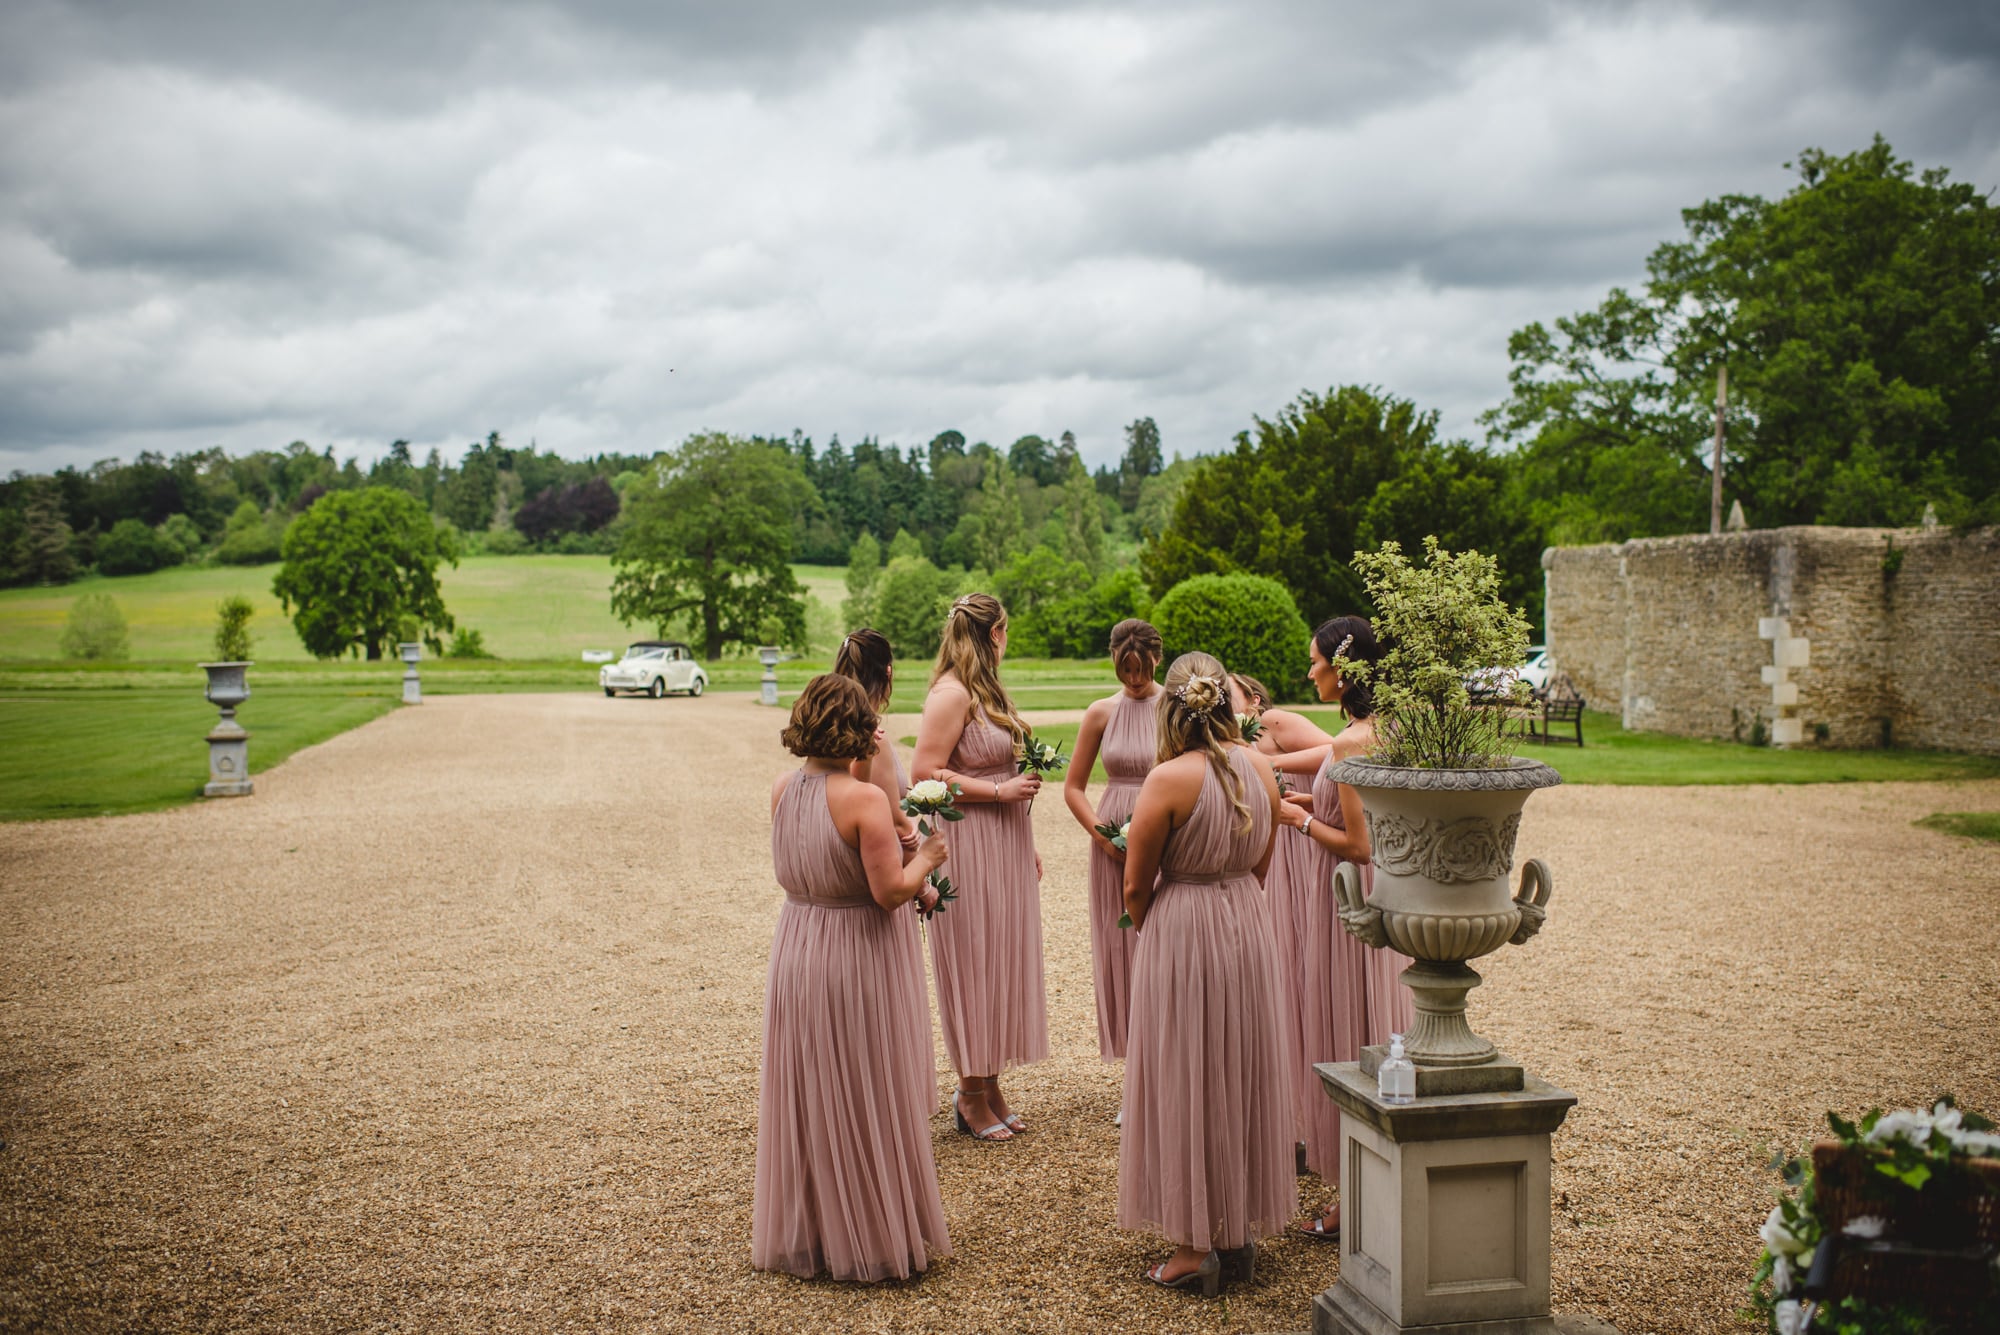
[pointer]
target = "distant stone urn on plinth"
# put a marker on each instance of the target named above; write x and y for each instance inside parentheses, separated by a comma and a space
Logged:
(413, 688)
(767, 689)
(228, 743)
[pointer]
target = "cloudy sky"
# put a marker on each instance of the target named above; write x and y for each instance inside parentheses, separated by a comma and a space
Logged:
(602, 227)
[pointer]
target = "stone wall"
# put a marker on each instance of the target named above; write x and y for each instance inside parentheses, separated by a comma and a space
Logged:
(1903, 627)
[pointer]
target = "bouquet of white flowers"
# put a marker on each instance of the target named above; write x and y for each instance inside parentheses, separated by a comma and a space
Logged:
(934, 798)
(1039, 756)
(1251, 725)
(1117, 835)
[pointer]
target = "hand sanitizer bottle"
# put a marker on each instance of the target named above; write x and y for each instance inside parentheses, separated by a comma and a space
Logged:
(1396, 1081)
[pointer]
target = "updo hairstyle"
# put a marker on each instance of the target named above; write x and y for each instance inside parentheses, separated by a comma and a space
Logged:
(864, 657)
(831, 720)
(1137, 643)
(1356, 697)
(1195, 715)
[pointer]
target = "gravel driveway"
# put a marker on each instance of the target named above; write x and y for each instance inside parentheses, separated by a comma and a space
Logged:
(454, 1026)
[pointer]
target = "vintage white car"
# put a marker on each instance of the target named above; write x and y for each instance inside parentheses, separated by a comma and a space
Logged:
(655, 667)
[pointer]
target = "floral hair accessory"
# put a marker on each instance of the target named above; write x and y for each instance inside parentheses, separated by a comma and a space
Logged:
(1200, 693)
(1341, 652)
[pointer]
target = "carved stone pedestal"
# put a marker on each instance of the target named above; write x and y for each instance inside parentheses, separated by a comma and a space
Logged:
(1444, 1211)
(413, 686)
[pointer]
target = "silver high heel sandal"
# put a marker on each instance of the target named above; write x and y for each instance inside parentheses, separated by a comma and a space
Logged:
(1207, 1276)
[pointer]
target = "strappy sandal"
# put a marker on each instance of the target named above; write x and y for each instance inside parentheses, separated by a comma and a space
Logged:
(965, 1127)
(1207, 1276)
(1317, 1230)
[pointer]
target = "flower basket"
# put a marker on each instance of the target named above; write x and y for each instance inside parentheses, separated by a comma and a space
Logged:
(1936, 1246)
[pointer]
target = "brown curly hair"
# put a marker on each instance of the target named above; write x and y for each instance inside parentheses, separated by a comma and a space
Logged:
(831, 720)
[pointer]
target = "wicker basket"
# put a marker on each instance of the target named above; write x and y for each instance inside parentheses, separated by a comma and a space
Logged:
(1941, 1240)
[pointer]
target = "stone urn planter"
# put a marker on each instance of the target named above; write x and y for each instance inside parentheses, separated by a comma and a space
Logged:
(228, 742)
(413, 688)
(1444, 844)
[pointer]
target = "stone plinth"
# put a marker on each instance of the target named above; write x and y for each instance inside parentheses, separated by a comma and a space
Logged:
(767, 688)
(228, 761)
(413, 687)
(1444, 1210)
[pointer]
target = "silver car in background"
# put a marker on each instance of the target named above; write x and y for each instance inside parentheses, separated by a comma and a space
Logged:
(655, 667)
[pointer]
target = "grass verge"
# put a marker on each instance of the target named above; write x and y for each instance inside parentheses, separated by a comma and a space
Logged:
(1966, 824)
(106, 753)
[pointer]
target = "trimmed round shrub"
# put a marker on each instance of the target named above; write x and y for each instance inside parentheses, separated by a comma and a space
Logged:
(1247, 621)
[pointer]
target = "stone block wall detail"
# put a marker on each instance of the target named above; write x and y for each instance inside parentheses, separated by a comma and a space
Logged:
(1903, 629)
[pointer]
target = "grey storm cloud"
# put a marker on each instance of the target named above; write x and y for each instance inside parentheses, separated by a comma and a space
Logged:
(606, 226)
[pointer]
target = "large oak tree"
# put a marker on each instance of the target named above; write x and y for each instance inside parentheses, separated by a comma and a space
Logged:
(708, 541)
(361, 564)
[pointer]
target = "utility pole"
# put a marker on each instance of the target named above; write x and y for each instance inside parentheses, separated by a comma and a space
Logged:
(1715, 471)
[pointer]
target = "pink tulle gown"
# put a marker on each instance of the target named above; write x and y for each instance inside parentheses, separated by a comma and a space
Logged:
(1131, 741)
(986, 947)
(1344, 1004)
(845, 1179)
(910, 930)
(1206, 1157)
(1287, 898)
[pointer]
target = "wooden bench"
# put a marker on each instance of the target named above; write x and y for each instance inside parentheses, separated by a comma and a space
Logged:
(1558, 703)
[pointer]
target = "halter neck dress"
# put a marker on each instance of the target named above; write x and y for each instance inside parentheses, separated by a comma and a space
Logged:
(986, 947)
(1349, 994)
(1131, 741)
(846, 1183)
(1206, 1157)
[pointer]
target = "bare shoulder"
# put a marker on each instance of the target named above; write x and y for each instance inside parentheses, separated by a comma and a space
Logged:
(1183, 774)
(1097, 711)
(1356, 739)
(946, 689)
(853, 797)
(778, 784)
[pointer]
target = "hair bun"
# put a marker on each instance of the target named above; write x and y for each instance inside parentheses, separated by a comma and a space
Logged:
(1201, 693)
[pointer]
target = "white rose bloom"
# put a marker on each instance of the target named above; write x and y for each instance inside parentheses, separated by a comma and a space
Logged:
(1914, 1127)
(1777, 1237)
(930, 791)
(1975, 1142)
(1865, 1226)
(1790, 1317)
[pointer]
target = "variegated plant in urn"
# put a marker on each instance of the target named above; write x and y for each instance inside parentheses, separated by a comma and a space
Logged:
(1443, 793)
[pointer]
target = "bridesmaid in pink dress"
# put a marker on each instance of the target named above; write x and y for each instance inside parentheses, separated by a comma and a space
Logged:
(1351, 994)
(1288, 890)
(1124, 730)
(986, 949)
(845, 1179)
(865, 658)
(1207, 1153)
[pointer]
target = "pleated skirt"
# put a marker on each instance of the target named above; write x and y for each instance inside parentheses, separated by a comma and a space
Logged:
(1111, 947)
(846, 1183)
(1206, 1156)
(986, 948)
(1333, 1006)
(1285, 899)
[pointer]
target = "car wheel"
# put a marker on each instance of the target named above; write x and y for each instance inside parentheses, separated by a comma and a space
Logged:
(695, 686)
(658, 690)
(608, 692)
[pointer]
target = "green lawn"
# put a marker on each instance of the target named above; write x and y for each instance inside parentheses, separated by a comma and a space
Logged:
(527, 607)
(110, 752)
